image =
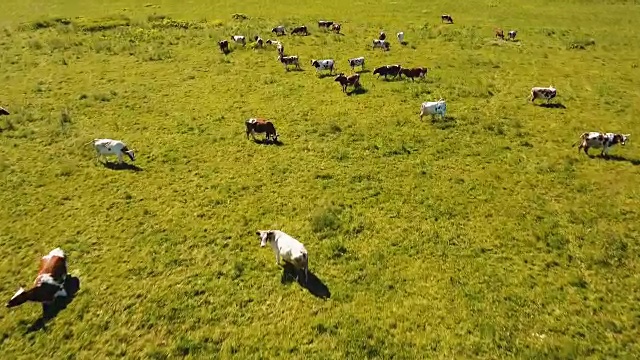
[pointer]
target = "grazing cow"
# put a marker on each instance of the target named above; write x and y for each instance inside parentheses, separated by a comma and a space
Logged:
(49, 283)
(359, 61)
(336, 28)
(323, 65)
(382, 44)
(546, 93)
(433, 108)
(238, 39)
(447, 18)
(4, 111)
(273, 42)
(382, 36)
(499, 33)
(289, 60)
(287, 248)
(278, 30)
(258, 40)
(599, 140)
(419, 72)
(353, 80)
(512, 34)
(388, 70)
(106, 147)
(300, 30)
(400, 36)
(280, 49)
(325, 24)
(256, 125)
(224, 46)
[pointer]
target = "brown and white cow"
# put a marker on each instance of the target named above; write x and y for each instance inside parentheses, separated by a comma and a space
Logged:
(224, 46)
(419, 72)
(499, 33)
(336, 28)
(546, 93)
(447, 18)
(597, 140)
(49, 283)
(300, 30)
(353, 80)
(4, 111)
(258, 125)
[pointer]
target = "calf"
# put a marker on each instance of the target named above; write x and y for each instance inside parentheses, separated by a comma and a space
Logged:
(323, 65)
(413, 73)
(287, 248)
(499, 33)
(4, 111)
(433, 108)
(359, 61)
(400, 36)
(224, 46)
(599, 140)
(382, 44)
(325, 24)
(447, 18)
(336, 28)
(301, 30)
(107, 147)
(256, 125)
(278, 30)
(382, 36)
(289, 60)
(388, 70)
(353, 80)
(49, 283)
(546, 93)
(239, 40)
(258, 41)
(512, 34)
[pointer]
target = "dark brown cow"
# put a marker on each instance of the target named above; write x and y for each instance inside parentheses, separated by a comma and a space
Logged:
(4, 111)
(300, 30)
(388, 70)
(353, 80)
(382, 36)
(413, 73)
(224, 46)
(49, 283)
(336, 28)
(325, 24)
(257, 125)
(447, 18)
(500, 33)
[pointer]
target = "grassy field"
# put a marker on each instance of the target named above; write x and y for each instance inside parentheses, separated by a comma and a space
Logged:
(484, 235)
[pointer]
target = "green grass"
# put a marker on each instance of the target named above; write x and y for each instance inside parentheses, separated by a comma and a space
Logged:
(482, 236)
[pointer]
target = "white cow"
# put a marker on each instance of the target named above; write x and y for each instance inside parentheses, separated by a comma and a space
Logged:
(433, 108)
(238, 39)
(401, 37)
(359, 61)
(285, 246)
(326, 64)
(106, 147)
(382, 44)
(602, 141)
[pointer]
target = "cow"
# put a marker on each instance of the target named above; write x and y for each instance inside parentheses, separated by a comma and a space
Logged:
(353, 80)
(280, 49)
(320, 65)
(400, 36)
(238, 39)
(447, 18)
(512, 34)
(278, 30)
(286, 247)
(301, 30)
(107, 147)
(599, 140)
(278, 46)
(258, 41)
(4, 111)
(419, 72)
(359, 61)
(382, 36)
(49, 283)
(289, 60)
(336, 28)
(257, 125)
(388, 70)
(546, 93)
(382, 44)
(224, 46)
(325, 24)
(499, 33)
(433, 108)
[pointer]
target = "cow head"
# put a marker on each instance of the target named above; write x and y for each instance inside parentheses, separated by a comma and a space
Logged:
(315, 63)
(265, 236)
(341, 77)
(624, 138)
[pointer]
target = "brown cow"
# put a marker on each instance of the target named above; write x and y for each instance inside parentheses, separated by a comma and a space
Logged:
(500, 33)
(257, 125)
(224, 46)
(413, 73)
(301, 30)
(49, 283)
(353, 80)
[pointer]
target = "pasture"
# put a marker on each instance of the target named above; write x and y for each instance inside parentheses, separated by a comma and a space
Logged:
(481, 235)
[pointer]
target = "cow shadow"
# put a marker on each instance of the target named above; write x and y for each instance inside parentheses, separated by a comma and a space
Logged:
(357, 91)
(50, 311)
(268, 142)
(365, 71)
(296, 69)
(444, 123)
(616, 158)
(325, 75)
(404, 43)
(313, 284)
(123, 166)
(553, 106)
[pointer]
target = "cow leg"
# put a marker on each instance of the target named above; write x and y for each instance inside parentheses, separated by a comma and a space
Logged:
(586, 150)
(120, 158)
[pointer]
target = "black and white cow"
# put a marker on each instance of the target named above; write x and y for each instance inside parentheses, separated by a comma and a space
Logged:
(388, 70)
(300, 30)
(546, 93)
(382, 44)
(279, 30)
(600, 141)
(447, 18)
(512, 34)
(4, 111)
(326, 64)
(239, 39)
(289, 60)
(359, 61)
